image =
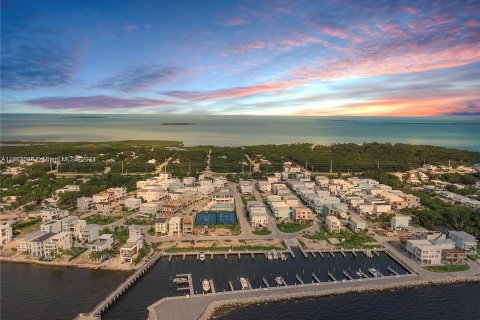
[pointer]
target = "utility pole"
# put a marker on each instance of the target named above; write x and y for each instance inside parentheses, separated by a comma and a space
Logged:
(378, 164)
(331, 165)
(122, 167)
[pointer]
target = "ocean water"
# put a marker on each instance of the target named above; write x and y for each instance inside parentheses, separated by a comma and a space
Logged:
(457, 132)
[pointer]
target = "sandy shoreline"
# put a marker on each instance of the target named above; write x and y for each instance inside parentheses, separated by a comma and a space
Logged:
(221, 307)
(68, 264)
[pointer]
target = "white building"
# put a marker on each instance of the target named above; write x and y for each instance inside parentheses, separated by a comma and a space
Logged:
(104, 242)
(5, 233)
(332, 223)
(89, 233)
(224, 197)
(464, 241)
(118, 193)
(56, 243)
(134, 243)
(161, 226)
(264, 186)
(246, 187)
(49, 213)
(424, 251)
(174, 226)
(400, 222)
(357, 224)
(151, 195)
(37, 245)
(150, 208)
(23, 244)
(133, 204)
(54, 226)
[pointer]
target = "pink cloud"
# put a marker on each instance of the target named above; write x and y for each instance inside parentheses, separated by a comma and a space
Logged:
(473, 23)
(392, 29)
(93, 103)
(131, 27)
(334, 32)
(236, 22)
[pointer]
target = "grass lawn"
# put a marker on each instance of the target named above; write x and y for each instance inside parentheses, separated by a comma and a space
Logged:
(262, 232)
(139, 221)
(448, 268)
(474, 256)
(291, 227)
(101, 220)
(347, 239)
(248, 197)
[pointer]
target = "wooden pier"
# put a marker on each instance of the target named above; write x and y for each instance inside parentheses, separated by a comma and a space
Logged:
(169, 258)
(239, 256)
(231, 285)
(253, 256)
(332, 254)
(354, 253)
(343, 253)
(314, 276)
(302, 250)
(212, 287)
(392, 271)
(320, 253)
(122, 288)
(313, 254)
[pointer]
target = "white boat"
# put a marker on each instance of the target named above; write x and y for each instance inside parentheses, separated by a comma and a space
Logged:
(269, 256)
(275, 255)
(206, 285)
(179, 280)
(374, 272)
(283, 256)
(202, 256)
(244, 283)
(279, 281)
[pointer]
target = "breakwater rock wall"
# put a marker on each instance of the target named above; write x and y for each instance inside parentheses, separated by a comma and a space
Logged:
(217, 306)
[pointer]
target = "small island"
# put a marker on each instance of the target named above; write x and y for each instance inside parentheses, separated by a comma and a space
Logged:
(178, 123)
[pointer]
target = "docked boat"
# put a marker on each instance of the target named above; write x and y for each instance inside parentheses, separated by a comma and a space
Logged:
(275, 254)
(269, 256)
(179, 280)
(283, 256)
(244, 283)
(374, 272)
(206, 285)
(279, 281)
(202, 256)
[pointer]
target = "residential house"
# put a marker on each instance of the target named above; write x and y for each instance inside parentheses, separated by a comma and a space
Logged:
(37, 245)
(174, 226)
(57, 242)
(85, 204)
(400, 222)
(133, 204)
(118, 193)
(50, 213)
(357, 224)
(104, 208)
(264, 186)
(150, 208)
(223, 196)
(130, 250)
(104, 242)
(54, 226)
(89, 233)
(332, 223)
(24, 243)
(246, 187)
(161, 226)
(5, 233)
(187, 225)
(151, 195)
(303, 214)
(424, 251)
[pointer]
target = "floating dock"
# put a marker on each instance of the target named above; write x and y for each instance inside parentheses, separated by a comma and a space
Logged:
(392, 271)
(332, 254)
(265, 282)
(314, 276)
(347, 275)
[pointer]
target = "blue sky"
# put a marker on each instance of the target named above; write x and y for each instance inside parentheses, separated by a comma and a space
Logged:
(395, 58)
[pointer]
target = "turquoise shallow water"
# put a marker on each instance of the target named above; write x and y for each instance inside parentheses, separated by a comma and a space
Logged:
(457, 132)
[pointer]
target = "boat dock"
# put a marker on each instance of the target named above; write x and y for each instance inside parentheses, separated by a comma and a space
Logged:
(302, 250)
(170, 258)
(354, 253)
(332, 254)
(314, 276)
(212, 287)
(265, 282)
(299, 279)
(313, 254)
(392, 271)
(347, 275)
(330, 275)
(187, 282)
(343, 253)
(231, 285)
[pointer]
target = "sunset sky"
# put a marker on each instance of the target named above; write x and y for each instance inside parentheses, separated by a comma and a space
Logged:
(372, 58)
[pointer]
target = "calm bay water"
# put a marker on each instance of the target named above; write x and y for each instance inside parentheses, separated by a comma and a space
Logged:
(457, 132)
(456, 302)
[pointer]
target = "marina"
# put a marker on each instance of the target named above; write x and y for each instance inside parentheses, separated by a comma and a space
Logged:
(241, 272)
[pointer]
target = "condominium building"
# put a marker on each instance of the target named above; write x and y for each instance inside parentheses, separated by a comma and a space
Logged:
(400, 222)
(132, 204)
(104, 242)
(174, 226)
(161, 226)
(133, 245)
(85, 204)
(332, 223)
(150, 208)
(24, 243)
(5, 233)
(464, 241)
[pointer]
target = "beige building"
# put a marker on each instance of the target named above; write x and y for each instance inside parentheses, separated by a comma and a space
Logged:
(303, 213)
(187, 226)
(174, 226)
(24, 243)
(132, 204)
(332, 223)
(5, 233)
(58, 242)
(130, 250)
(85, 204)
(161, 226)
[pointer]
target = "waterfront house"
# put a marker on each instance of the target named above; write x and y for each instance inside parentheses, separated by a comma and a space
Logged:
(130, 250)
(23, 244)
(332, 223)
(280, 210)
(37, 245)
(150, 208)
(161, 226)
(424, 251)
(174, 226)
(259, 219)
(303, 214)
(400, 222)
(57, 243)
(133, 204)
(464, 241)
(172, 207)
(454, 256)
(187, 225)
(85, 204)
(104, 242)
(5, 233)
(357, 224)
